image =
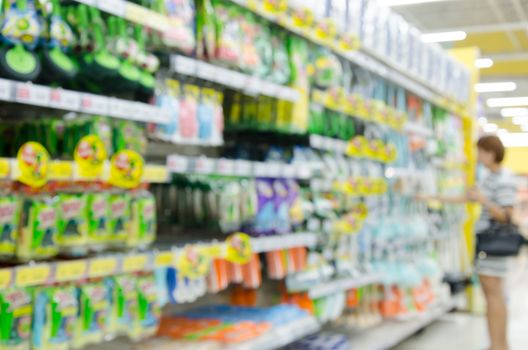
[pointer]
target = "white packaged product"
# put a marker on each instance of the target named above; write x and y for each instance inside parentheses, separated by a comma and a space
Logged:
(382, 31)
(368, 26)
(403, 42)
(355, 12)
(414, 51)
(391, 50)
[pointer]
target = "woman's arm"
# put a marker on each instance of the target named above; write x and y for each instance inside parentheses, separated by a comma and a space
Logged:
(497, 212)
(444, 199)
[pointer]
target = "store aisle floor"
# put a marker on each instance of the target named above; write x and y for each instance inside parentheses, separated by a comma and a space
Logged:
(459, 331)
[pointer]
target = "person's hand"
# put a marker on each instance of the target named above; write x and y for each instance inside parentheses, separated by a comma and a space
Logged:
(422, 197)
(475, 195)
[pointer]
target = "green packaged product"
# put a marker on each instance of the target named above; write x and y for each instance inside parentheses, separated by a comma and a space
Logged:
(94, 308)
(98, 214)
(143, 230)
(9, 222)
(16, 310)
(119, 223)
(129, 135)
(149, 309)
(55, 318)
(124, 305)
(39, 229)
(73, 222)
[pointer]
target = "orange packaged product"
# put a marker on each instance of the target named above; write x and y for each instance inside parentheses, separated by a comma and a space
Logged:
(252, 273)
(276, 265)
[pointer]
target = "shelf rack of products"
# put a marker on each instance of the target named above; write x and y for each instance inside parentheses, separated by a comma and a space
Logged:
(178, 182)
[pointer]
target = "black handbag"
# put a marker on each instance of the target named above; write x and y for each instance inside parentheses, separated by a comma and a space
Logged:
(499, 240)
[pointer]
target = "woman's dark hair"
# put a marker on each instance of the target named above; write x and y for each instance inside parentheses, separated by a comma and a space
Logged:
(492, 143)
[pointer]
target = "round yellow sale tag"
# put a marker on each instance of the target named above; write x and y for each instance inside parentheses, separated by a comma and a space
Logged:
(126, 169)
(239, 250)
(89, 157)
(193, 262)
(33, 164)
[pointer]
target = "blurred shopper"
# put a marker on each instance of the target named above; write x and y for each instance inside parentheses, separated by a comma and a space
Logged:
(496, 193)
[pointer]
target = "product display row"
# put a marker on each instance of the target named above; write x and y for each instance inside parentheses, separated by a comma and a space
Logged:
(224, 174)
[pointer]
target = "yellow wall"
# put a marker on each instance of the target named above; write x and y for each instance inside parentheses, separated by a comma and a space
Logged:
(517, 160)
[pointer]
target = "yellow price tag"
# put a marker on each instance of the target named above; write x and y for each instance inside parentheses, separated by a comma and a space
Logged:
(102, 267)
(33, 164)
(164, 259)
(70, 271)
(135, 263)
(6, 276)
(156, 174)
(32, 275)
(193, 262)
(5, 168)
(61, 170)
(89, 155)
(239, 250)
(126, 169)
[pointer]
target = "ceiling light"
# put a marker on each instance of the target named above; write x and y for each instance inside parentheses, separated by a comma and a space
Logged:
(406, 2)
(524, 127)
(443, 37)
(520, 120)
(501, 132)
(484, 63)
(482, 121)
(508, 101)
(496, 87)
(514, 112)
(516, 139)
(490, 127)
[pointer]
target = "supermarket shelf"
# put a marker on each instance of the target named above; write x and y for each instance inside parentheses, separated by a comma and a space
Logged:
(365, 58)
(342, 285)
(34, 274)
(131, 12)
(209, 166)
(272, 243)
(60, 170)
(281, 336)
(391, 333)
(418, 129)
(328, 144)
(68, 100)
(230, 78)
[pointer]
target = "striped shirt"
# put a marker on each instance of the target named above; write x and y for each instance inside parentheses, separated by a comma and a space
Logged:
(499, 188)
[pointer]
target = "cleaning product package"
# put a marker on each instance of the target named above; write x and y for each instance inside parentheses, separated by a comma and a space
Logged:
(9, 225)
(16, 311)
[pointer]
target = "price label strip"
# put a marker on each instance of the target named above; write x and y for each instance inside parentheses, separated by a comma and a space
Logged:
(135, 263)
(102, 267)
(32, 275)
(70, 271)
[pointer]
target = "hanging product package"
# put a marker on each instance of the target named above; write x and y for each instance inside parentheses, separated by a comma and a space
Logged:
(73, 223)
(16, 312)
(9, 225)
(38, 229)
(55, 317)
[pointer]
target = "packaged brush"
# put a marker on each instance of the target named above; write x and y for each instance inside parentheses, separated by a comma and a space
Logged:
(149, 310)
(55, 318)
(73, 223)
(143, 220)
(119, 220)
(98, 217)
(38, 228)
(16, 310)
(124, 305)
(94, 309)
(10, 207)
